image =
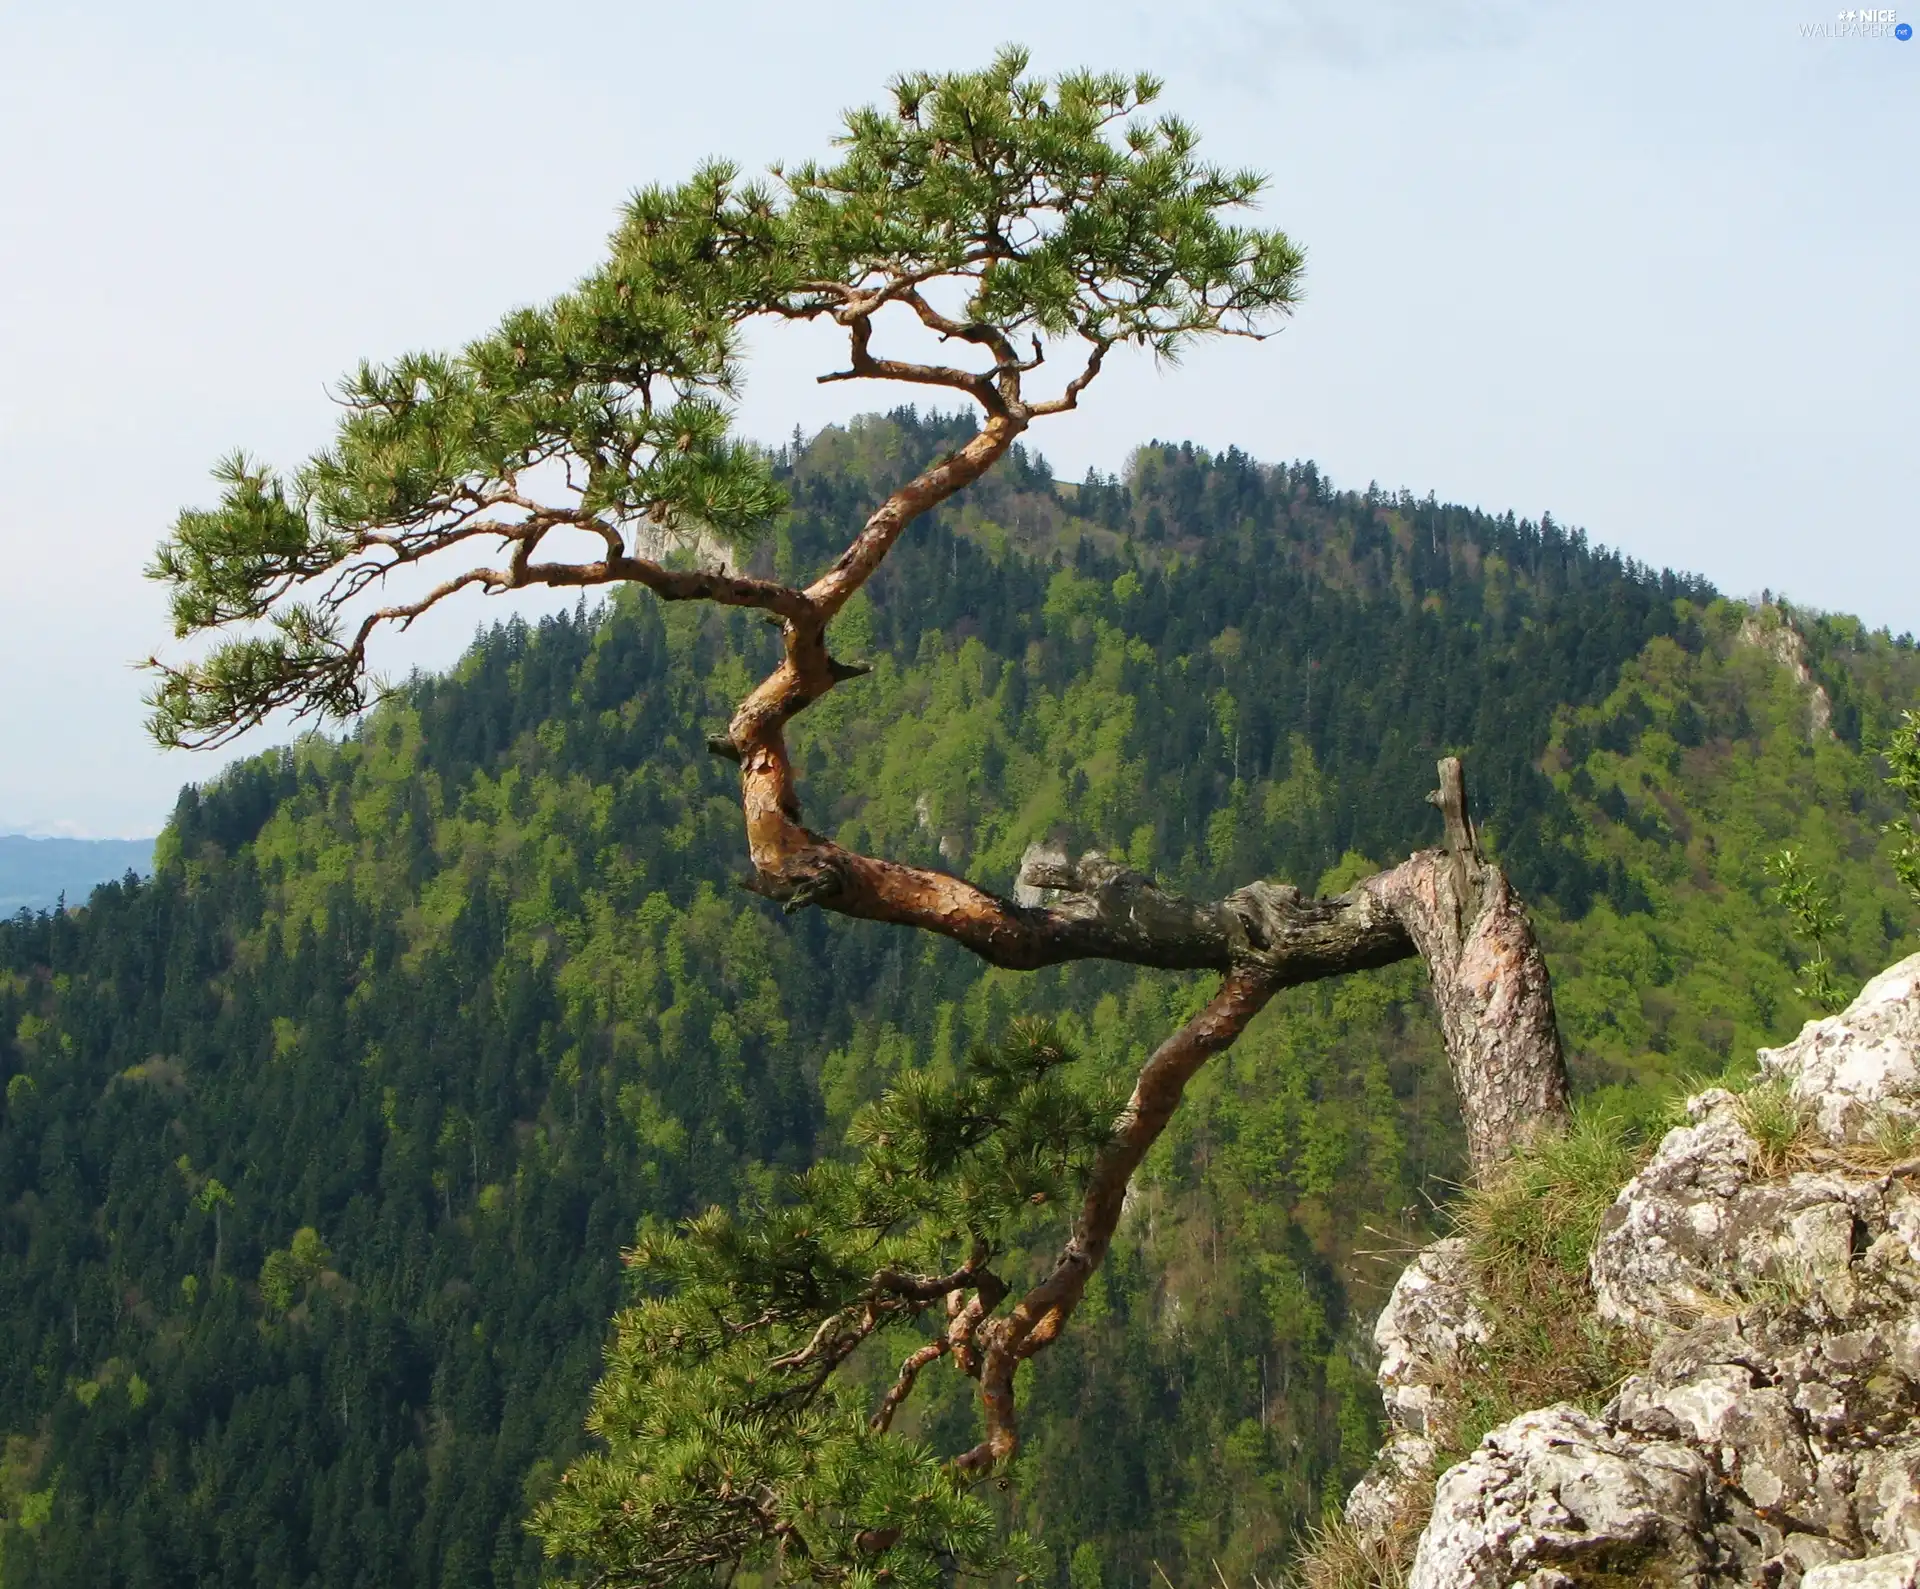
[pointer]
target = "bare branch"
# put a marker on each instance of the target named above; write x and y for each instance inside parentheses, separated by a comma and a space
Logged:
(987, 336)
(675, 584)
(930, 1288)
(864, 366)
(1070, 398)
(966, 1314)
(903, 1384)
(1036, 1321)
(1100, 910)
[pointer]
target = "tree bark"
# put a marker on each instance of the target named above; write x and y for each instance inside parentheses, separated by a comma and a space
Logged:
(1490, 984)
(1453, 906)
(1038, 1318)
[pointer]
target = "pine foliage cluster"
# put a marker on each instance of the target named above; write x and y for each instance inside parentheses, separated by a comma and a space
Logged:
(1001, 207)
(732, 1438)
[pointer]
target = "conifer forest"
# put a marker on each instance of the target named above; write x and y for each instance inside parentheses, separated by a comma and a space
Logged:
(322, 1145)
(903, 1033)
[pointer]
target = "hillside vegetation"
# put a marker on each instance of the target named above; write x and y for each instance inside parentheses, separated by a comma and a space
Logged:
(320, 1147)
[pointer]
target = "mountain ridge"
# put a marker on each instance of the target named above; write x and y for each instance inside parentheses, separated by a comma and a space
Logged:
(465, 994)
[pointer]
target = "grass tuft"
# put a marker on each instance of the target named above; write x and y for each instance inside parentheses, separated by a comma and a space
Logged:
(1781, 1123)
(1543, 1206)
(1340, 1557)
(1529, 1230)
(1892, 1137)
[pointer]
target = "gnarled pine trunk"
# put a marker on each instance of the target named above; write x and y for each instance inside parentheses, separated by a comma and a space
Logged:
(1452, 906)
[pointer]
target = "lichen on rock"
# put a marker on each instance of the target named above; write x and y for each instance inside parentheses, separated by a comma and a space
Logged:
(1559, 1490)
(1862, 1067)
(1901, 1570)
(1430, 1323)
(1773, 1435)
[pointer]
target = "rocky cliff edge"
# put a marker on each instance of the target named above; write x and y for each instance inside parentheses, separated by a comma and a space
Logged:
(1763, 1269)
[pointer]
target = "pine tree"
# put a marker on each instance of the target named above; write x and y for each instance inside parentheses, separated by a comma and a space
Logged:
(1009, 221)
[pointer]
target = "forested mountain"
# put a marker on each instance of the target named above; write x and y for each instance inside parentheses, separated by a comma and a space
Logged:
(320, 1147)
(36, 872)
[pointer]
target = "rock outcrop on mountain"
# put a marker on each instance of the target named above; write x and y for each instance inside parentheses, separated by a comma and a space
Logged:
(1765, 1262)
(1771, 630)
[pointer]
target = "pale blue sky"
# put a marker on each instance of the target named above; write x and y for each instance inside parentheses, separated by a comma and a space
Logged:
(1651, 267)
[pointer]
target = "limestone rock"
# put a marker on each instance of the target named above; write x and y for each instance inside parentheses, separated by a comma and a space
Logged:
(1698, 1231)
(1395, 1491)
(1422, 1334)
(1901, 1571)
(1427, 1326)
(1862, 1063)
(1772, 631)
(1557, 1489)
(1774, 1435)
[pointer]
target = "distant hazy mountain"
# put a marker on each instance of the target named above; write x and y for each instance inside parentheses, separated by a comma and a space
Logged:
(35, 872)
